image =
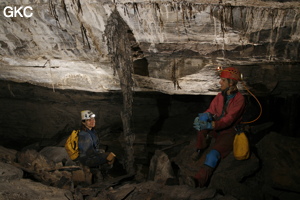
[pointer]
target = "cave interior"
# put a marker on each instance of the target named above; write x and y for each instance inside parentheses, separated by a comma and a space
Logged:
(146, 69)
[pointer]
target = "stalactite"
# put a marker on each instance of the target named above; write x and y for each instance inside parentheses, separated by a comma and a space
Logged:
(177, 19)
(222, 18)
(174, 73)
(229, 14)
(84, 36)
(243, 26)
(67, 16)
(157, 10)
(79, 7)
(135, 8)
(270, 46)
(52, 8)
(126, 10)
(119, 48)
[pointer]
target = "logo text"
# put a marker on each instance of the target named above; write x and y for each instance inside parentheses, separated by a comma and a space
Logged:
(10, 11)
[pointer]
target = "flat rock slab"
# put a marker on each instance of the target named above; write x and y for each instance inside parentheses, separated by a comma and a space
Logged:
(7, 155)
(9, 172)
(13, 187)
(26, 189)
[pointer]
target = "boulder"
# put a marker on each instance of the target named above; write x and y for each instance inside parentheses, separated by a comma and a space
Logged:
(160, 167)
(9, 172)
(7, 155)
(280, 161)
(56, 154)
(34, 161)
(230, 175)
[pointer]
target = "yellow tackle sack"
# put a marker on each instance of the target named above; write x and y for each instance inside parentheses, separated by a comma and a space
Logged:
(71, 145)
(241, 149)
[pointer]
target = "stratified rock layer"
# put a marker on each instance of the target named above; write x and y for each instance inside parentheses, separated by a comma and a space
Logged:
(176, 46)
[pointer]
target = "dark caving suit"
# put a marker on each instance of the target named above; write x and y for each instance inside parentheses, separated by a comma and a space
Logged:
(89, 152)
(88, 144)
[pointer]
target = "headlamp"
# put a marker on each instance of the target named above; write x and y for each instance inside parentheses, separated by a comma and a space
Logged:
(87, 114)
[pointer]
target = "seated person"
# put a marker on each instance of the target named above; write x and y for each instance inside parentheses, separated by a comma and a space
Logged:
(219, 121)
(88, 144)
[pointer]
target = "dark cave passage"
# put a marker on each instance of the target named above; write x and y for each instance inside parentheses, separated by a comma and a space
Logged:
(33, 114)
(35, 118)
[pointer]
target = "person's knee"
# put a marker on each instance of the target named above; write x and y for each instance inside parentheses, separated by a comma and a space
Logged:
(212, 158)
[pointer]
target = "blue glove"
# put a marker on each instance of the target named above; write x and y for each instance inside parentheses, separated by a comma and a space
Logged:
(201, 125)
(197, 124)
(207, 117)
(205, 125)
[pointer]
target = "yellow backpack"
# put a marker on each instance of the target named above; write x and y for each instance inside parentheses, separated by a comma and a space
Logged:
(241, 150)
(71, 145)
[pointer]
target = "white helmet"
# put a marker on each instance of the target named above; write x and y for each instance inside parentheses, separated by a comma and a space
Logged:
(87, 114)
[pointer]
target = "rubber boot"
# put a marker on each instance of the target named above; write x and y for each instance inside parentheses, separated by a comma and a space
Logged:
(203, 175)
(197, 154)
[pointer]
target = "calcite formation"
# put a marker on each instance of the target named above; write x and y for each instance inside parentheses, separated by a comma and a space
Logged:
(175, 45)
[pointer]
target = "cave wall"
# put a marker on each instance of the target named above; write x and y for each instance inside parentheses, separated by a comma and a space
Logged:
(56, 63)
(33, 114)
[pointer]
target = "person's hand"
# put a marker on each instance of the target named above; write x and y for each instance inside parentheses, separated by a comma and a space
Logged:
(207, 117)
(201, 125)
(205, 125)
(197, 124)
(110, 158)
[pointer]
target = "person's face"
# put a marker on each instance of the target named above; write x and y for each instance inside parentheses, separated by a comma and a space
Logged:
(90, 123)
(224, 83)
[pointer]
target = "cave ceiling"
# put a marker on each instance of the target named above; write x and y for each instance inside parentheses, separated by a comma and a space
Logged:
(176, 46)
